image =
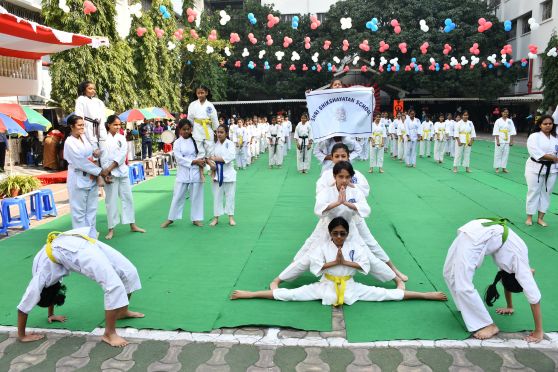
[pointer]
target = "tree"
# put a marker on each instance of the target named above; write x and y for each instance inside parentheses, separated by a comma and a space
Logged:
(550, 75)
(111, 68)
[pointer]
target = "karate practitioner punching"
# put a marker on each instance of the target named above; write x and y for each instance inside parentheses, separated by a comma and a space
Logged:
(75, 251)
(476, 240)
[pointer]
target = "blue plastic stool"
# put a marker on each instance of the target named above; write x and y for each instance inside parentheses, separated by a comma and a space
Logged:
(42, 204)
(131, 175)
(135, 174)
(166, 169)
(3, 228)
(9, 221)
(141, 171)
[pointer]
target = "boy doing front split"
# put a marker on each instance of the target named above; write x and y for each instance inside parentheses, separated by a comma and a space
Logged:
(337, 261)
(75, 251)
(476, 240)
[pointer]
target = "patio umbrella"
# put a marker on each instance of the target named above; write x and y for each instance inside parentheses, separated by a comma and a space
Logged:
(35, 121)
(133, 115)
(160, 112)
(14, 111)
(10, 126)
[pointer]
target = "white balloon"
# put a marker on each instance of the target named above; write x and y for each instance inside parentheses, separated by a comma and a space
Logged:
(209, 49)
(228, 51)
(191, 47)
(372, 62)
(336, 59)
(245, 52)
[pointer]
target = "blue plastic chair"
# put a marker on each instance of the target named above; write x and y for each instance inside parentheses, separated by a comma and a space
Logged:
(3, 227)
(22, 220)
(42, 204)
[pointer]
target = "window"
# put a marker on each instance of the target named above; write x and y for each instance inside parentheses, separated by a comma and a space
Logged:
(546, 10)
(525, 26)
(288, 17)
(513, 33)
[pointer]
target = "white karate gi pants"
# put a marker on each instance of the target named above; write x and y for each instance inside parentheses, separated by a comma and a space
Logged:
(276, 157)
(224, 194)
(539, 192)
(462, 155)
(451, 147)
(303, 165)
(394, 146)
(376, 156)
(247, 153)
(119, 189)
(459, 279)
(401, 150)
(83, 207)
(411, 153)
(131, 150)
(179, 198)
(501, 154)
(369, 240)
(325, 291)
(287, 143)
(205, 148)
(240, 157)
(424, 148)
(115, 273)
(439, 150)
(263, 144)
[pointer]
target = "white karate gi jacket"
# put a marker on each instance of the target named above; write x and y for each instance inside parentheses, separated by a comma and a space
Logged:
(92, 108)
(539, 145)
(227, 151)
(462, 129)
(184, 153)
(412, 128)
(79, 155)
(358, 180)
(115, 150)
(426, 130)
(196, 110)
(378, 134)
(504, 129)
(440, 131)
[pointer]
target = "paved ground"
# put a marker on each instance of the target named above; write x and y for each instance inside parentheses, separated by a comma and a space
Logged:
(265, 349)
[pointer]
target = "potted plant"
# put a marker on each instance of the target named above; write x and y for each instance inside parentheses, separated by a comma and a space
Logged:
(13, 186)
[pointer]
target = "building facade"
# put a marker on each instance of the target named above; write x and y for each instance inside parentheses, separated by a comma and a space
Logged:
(520, 37)
(290, 8)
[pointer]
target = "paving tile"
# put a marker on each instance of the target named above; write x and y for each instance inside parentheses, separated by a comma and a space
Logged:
(78, 359)
(101, 352)
(337, 359)
(148, 352)
(437, 359)
(410, 361)
(509, 361)
(16, 349)
(195, 354)
(535, 359)
(388, 359)
(487, 360)
(286, 358)
(65, 346)
(460, 362)
(240, 357)
(312, 362)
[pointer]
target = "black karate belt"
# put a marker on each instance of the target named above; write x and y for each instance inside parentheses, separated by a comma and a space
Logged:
(96, 124)
(498, 221)
(548, 165)
(303, 146)
(274, 136)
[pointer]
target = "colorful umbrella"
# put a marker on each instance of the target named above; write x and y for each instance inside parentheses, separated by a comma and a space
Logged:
(9, 125)
(160, 112)
(14, 111)
(133, 115)
(35, 121)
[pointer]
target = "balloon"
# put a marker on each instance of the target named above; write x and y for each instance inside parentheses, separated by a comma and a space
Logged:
(403, 47)
(140, 31)
(346, 23)
(192, 14)
(327, 44)
(234, 38)
(269, 40)
(159, 32)
(508, 26)
(89, 7)
(212, 35)
(345, 45)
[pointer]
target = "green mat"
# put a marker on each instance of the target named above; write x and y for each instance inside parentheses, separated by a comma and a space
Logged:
(188, 273)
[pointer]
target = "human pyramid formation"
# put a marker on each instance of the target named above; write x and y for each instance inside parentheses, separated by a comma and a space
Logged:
(340, 246)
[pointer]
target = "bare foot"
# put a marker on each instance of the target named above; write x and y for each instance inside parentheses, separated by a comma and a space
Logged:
(529, 222)
(197, 223)
(468, 170)
(542, 223)
(30, 337)
(371, 170)
(401, 275)
(110, 234)
(232, 222)
(505, 170)
(131, 314)
(166, 224)
(136, 228)
(534, 337)
(454, 170)
(486, 332)
(240, 294)
(381, 170)
(435, 296)
(400, 283)
(114, 340)
(497, 170)
(214, 222)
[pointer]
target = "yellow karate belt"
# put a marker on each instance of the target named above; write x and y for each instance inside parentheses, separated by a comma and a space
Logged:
(377, 139)
(403, 134)
(204, 123)
(54, 234)
(467, 137)
(441, 133)
(426, 134)
(505, 131)
(340, 285)
(240, 140)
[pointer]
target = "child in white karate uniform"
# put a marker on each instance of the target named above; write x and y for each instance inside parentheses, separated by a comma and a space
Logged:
(113, 158)
(82, 176)
(450, 131)
(336, 260)
(394, 138)
(377, 143)
(203, 116)
(503, 132)
(386, 123)
(224, 181)
(303, 137)
(476, 240)
(240, 143)
(440, 139)
(412, 127)
(275, 138)
(322, 150)
(402, 138)
(188, 177)
(426, 130)
(541, 169)
(75, 251)
(465, 135)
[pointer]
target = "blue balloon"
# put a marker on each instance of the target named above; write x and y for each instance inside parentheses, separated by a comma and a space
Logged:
(313, 68)
(448, 22)
(397, 68)
(369, 25)
(417, 69)
(523, 64)
(389, 67)
(374, 27)
(188, 62)
(437, 67)
(295, 18)
(414, 60)
(507, 26)
(162, 8)
(374, 20)
(491, 66)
